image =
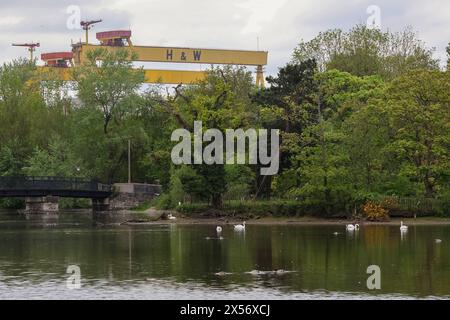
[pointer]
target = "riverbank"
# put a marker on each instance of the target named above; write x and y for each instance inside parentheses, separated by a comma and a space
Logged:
(153, 216)
(161, 217)
(295, 210)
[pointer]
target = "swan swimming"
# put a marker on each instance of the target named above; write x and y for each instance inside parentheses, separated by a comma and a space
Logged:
(351, 227)
(403, 227)
(171, 217)
(239, 227)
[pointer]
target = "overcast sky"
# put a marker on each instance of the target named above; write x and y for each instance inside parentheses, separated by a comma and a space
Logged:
(227, 24)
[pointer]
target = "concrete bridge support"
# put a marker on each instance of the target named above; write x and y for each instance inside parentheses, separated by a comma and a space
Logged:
(130, 195)
(126, 196)
(101, 204)
(41, 205)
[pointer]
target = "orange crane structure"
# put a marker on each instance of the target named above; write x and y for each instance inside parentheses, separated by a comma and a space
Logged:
(121, 40)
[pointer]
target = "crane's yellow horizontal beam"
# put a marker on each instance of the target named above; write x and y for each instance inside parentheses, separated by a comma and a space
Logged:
(174, 76)
(183, 55)
(151, 76)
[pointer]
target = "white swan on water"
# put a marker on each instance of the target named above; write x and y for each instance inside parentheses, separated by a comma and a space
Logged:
(351, 227)
(170, 217)
(239, 227)
(219, 229)
(403, 227)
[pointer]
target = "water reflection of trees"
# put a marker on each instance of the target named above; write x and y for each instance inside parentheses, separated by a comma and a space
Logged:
(319, 259)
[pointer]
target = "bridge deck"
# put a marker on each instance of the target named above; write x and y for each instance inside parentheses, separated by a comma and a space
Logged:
(54, 186)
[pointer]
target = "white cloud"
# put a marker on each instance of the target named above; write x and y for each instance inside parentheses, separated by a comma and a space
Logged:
(10, 20)
(262, 12)
(231, 24)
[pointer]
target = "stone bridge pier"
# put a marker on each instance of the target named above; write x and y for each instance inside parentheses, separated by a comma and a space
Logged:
(41, 205)
(127, 196)
(48, 205)
(100, 204)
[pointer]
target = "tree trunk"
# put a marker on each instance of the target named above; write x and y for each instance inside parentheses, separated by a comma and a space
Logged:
(429, 187)
(217, 201)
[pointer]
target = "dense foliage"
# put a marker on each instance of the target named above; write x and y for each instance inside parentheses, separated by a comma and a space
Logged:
(363, 115)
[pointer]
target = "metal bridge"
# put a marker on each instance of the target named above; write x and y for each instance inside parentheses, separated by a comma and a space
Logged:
(23, 186)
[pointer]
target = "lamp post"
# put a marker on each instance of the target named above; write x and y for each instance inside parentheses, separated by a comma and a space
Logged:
(129, 160)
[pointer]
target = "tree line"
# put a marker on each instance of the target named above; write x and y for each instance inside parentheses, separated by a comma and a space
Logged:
(362, 113)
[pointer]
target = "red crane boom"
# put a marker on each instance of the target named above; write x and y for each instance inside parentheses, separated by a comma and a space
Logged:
(31, 47)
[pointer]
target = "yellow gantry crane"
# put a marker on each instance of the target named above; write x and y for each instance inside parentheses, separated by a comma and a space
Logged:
(121, 39)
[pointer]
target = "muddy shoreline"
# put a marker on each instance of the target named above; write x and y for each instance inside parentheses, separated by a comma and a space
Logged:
(154, 217)
(160, 217)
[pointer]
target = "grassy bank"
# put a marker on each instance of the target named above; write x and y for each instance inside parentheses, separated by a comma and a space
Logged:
(306, 220)
(401, 207)
(273, 208)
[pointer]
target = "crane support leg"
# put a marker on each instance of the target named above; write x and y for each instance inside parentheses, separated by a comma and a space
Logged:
(259, 77)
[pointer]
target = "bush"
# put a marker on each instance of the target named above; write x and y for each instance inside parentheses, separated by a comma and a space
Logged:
(143, 206)
(374, 211)
(192, 208)
(443, 208)
(73, 203)
(164, 202)
(237, 192)
(336, 203)
(12, 203)
(277, 208)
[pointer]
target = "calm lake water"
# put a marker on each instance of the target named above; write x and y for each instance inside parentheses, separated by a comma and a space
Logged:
(183, 261)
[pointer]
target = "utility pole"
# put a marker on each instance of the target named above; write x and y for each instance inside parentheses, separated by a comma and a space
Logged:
(129, 160)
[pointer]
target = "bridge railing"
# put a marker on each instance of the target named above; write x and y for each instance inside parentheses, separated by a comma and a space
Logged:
(52, 183)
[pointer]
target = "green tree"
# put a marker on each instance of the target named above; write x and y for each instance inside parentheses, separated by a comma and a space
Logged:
(58, 160)
(25, 120)
(365, 135)
(322, 170)
(363, 51)
(109, 114)
(10, 162)
(289, 104)
(106, 84)
(419, 108)
(448, 56)
(222, 102)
